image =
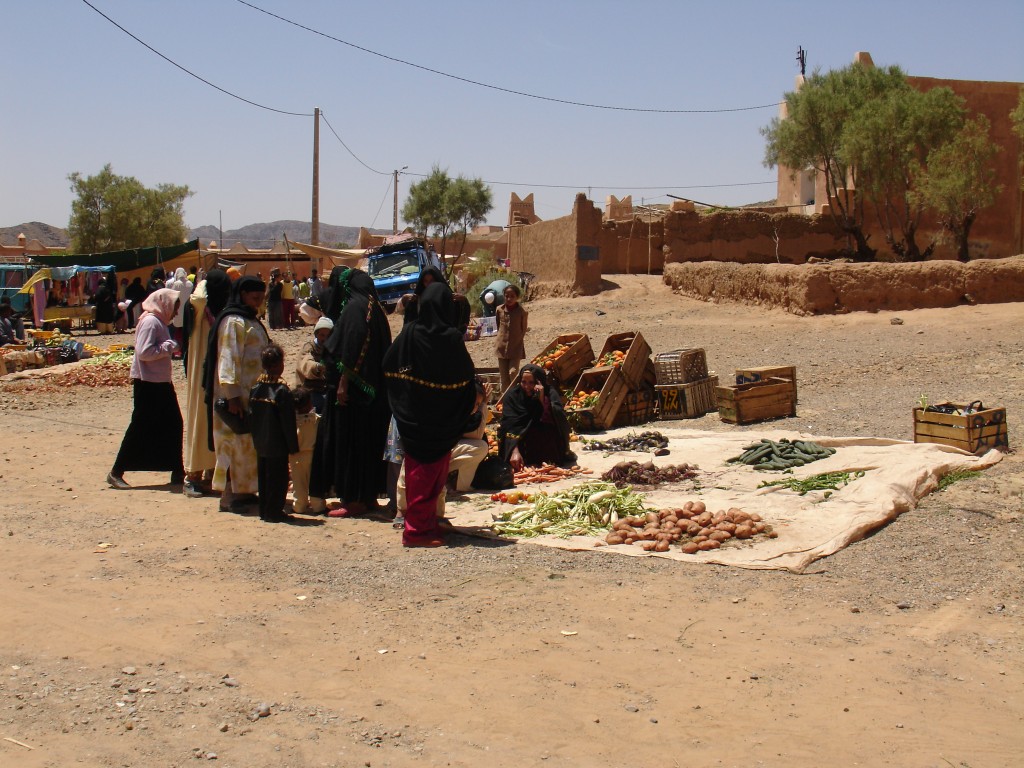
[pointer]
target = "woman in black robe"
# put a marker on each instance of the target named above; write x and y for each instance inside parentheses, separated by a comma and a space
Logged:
(534, 429)
(432, 390)
(427, 277)
(349, 452)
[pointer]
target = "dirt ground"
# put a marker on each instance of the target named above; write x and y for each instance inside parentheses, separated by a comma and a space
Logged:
(142, 628)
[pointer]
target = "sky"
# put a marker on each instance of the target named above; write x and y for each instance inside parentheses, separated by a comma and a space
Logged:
(78, 93)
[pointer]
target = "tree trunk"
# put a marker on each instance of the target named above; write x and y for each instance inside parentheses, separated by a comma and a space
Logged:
(963, 232)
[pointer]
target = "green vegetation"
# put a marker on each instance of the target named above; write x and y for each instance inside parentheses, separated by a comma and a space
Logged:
(112, 213)
(955, 477)
(444, 208)
(867, 130)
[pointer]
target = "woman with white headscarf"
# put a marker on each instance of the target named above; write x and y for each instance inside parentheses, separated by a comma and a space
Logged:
(183, 286)
(153, 440)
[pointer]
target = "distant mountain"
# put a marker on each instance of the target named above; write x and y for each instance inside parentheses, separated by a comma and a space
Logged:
(55, 237)
(251, 236)
(265, 235)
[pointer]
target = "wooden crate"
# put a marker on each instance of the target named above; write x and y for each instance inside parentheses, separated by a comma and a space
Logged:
(750, 375)
(681, 366)
(639, 407)
(567, 368)
(687, 401)
(637, 355)
(974, 432)
(493, 377)
(612, 389)
(757, 401)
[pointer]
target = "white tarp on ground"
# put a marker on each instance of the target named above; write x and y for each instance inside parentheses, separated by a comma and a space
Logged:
(897, 475)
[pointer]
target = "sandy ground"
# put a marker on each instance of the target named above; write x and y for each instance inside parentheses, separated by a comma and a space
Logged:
(905, 649)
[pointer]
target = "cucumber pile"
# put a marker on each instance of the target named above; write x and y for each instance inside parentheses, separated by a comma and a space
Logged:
(783, 454)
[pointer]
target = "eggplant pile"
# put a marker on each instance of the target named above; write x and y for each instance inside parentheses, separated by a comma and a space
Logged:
(645, 442)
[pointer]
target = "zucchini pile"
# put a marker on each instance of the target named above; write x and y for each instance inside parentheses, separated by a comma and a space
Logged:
(784, 454)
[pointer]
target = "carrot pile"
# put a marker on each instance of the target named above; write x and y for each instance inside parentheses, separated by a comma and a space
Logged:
(547, 473)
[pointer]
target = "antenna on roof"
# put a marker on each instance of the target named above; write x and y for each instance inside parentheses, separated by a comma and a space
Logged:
(801, 57)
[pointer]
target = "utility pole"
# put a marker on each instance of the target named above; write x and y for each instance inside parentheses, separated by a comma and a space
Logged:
(394, 229)
(314, 229)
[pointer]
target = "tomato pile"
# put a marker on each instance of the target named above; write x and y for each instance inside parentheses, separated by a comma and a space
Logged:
(547, 360)
(514, 497)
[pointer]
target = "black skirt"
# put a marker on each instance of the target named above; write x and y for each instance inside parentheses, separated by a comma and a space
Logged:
(153, 440)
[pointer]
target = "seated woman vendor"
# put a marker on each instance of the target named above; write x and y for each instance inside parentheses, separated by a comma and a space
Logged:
(534, 429)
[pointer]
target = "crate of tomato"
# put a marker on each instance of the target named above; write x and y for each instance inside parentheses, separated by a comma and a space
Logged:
(594, 402)
(565, 357)
(630, 353)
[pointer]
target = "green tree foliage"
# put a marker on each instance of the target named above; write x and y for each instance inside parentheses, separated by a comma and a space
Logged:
(111, 213)
(443, 207)
(1017, 118)
(960, 180)
(889, 141)
(814, 135)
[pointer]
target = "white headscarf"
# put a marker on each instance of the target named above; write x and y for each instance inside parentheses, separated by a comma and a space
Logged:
(182, 284)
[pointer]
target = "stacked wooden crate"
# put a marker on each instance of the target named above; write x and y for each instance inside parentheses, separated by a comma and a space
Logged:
(684, 388)
(972, 428)
(621, 376)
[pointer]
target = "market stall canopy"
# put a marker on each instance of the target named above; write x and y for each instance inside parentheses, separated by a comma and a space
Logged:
(124, 261)
(339, 257)
(61, 273)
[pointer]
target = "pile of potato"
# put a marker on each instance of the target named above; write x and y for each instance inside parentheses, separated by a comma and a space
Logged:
(697, 529)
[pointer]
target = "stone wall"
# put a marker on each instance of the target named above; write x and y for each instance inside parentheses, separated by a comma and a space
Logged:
(815, 289)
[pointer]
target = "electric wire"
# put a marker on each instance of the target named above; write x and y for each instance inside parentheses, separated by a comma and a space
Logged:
(498, 87)
(381, 206)
(193, 74)
(347, 149)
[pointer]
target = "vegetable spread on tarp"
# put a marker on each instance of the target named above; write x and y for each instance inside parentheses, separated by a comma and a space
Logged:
(813, 508)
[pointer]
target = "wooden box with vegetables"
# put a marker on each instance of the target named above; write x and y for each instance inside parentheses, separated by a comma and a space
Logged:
(687, 401)
(566, 357)
(630, 353)
(972, 428)
(749, 375)
(595, 400)
(757, 401)
(681, 366)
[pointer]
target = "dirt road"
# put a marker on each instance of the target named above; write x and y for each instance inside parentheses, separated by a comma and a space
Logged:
(143, 628)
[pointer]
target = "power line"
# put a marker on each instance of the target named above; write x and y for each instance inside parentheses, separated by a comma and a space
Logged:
(611, 186)
(191, 73)
(498, 87)
(357, 158)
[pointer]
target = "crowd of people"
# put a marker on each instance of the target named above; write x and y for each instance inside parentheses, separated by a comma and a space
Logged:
(365, 417)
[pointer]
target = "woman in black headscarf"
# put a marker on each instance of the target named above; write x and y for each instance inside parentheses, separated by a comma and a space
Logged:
(232, 366)
(205, 304)
(427, 277)
(349, 452)
(534, 429)
(156, 281)
(105, 301)
(432, 390)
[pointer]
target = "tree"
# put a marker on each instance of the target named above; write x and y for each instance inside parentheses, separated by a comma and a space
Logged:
(112, 213)
(889, 141)
(814, 135)
(442, 206)
(960, 180)
(1017, 118)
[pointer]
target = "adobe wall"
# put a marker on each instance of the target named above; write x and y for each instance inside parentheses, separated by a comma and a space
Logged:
(838, 287)
(563, 253)
(626, 251)
(748, 237)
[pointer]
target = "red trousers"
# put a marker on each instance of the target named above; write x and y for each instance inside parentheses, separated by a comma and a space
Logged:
(423, 484)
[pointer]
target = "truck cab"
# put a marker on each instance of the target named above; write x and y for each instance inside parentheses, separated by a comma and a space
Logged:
(396, 267)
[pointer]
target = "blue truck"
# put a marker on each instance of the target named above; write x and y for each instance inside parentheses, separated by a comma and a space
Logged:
(396, 267)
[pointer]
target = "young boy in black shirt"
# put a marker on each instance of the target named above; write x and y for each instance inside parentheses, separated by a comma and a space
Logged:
(272, 420)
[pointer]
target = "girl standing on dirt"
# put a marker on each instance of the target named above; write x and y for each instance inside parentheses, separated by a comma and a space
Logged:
(512, 322)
